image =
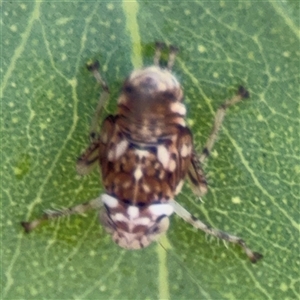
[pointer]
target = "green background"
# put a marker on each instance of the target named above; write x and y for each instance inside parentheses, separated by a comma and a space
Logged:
(48, 99)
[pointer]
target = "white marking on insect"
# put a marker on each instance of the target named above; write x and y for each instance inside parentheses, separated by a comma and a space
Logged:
(179, 187)
(110, 155)
(178, 108)
(138, 173)
(133, 212)
(181, 122)
(119, 217)
(161, 209)
(141, 221)
(185, 150)
(146, 188)
(172, 165)
(142, 153)
(163, 155)
(121, 148)
(109, 200)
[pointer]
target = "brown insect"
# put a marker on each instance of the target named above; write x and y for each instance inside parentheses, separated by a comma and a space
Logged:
(145, 152)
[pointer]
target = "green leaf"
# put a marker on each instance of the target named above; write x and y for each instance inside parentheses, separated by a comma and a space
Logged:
(48, 99)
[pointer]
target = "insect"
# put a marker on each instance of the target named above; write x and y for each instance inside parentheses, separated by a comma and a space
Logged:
(145, 152)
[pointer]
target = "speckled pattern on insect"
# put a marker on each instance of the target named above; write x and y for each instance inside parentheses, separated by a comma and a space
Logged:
(145, 152)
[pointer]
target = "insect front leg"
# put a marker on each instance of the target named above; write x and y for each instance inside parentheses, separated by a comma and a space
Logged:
(88, 159)
(94, 68)
(95, 204)
(185, 215)
(219, 118)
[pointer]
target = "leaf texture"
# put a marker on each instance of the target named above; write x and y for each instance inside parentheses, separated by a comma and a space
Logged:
(48, 99)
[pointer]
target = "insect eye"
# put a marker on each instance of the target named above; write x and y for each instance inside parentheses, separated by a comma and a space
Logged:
(126, 201)
(128, 88)
(169, 95)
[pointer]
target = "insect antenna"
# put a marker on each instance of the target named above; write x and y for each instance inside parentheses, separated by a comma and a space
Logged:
(172, 55)
(158, 49)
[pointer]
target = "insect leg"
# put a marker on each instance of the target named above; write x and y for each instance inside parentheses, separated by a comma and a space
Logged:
(158, 48)
(94, 68)
(242, 94)
(172, 56)
(197, 176)
(88, 160)
(185, 215)
(95, 204)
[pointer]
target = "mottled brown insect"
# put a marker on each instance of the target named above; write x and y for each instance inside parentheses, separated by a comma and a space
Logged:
(145, 152)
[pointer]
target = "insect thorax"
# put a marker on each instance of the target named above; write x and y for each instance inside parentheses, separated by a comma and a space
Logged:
(151, 104)
(145, 153)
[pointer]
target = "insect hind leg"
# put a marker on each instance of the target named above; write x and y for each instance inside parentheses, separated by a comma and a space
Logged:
(94, 68)
(185, 215)
(55, 214)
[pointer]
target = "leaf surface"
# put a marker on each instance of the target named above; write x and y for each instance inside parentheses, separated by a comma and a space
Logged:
(48, 99)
